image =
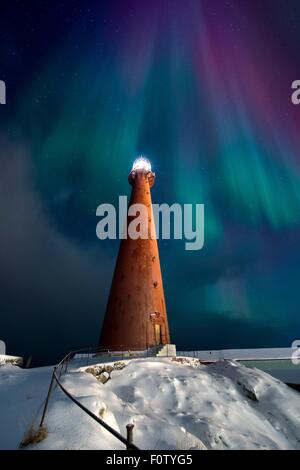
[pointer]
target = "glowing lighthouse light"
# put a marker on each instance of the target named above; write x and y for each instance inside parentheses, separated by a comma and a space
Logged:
(141, 163)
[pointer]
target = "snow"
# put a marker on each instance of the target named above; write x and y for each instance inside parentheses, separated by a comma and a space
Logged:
(172, 404)
(22, 393)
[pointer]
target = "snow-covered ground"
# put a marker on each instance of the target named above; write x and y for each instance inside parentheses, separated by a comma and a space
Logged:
(173, 405)
(22, 393)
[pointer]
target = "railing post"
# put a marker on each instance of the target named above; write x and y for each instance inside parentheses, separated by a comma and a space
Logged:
(47, 398)
(66, 361)
(60, 371)
(129, 428)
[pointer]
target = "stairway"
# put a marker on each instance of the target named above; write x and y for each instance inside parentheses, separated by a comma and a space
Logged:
(163, 350)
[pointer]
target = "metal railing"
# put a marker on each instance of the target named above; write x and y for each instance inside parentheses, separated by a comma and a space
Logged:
(62, 368)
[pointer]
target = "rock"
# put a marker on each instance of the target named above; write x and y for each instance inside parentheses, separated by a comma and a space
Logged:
(250, 393)
(102, 410)
(13, 360)
(97, 370)
(119, 365)
(104, 377)
(102, 373)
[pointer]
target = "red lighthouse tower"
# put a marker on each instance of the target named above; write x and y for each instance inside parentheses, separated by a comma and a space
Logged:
(136, 316)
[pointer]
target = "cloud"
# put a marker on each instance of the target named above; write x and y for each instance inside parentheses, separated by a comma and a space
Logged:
(53, 291)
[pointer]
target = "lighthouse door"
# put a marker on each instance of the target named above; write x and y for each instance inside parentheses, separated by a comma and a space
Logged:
(158, 339)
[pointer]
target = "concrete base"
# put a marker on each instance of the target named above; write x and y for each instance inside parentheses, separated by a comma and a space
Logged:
(160, 350)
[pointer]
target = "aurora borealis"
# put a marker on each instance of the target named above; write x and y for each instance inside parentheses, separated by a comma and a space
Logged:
(203, 89)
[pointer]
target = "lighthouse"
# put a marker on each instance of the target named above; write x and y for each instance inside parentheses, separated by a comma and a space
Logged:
(136, 315)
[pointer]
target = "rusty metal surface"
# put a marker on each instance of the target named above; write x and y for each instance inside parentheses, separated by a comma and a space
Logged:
(136, 300)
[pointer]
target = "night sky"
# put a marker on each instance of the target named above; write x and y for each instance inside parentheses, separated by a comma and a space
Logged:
(201, 87)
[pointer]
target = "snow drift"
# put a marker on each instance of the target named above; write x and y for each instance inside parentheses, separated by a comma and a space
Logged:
(173, 403)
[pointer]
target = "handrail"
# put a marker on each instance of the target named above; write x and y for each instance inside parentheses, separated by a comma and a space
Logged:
(128, 442)
(99, 420)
